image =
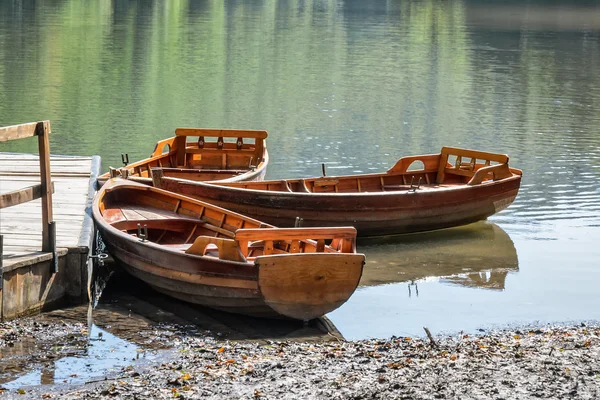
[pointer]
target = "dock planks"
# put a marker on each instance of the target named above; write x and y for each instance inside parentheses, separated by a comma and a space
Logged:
(32, 280)
(21, 225)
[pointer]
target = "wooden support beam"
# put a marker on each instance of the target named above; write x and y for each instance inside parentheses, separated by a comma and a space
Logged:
(22, 195)
(18, 131)
(1, 266)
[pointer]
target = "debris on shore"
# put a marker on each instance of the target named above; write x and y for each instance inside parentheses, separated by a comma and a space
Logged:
(544, 362)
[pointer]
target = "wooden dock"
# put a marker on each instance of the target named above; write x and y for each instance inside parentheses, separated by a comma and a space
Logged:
(32, 279)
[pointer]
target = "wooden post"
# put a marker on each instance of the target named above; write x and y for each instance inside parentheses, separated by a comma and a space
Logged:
(52, 245)
(157, 176)
(180, 144)
(42, 131)
(1, 262)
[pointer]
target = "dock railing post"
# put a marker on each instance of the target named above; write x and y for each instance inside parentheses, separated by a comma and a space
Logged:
(48, 224)
(1, 262)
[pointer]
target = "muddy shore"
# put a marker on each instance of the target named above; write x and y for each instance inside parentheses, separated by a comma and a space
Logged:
(543, 362)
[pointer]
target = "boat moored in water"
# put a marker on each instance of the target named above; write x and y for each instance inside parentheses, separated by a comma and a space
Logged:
(419, 193)
(203, 254)
(228, 155)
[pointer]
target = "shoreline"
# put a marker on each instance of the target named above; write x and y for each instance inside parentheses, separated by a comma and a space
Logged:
(544, 362)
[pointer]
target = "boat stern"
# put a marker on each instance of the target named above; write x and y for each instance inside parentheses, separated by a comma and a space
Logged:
(307, 286)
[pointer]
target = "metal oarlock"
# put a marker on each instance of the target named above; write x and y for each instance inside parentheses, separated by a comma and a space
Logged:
(125, 158)
(140, 235)
(414, 188)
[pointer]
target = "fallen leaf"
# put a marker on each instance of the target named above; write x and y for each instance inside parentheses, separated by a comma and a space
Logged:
(257, 393)
(407, 338)
(222, 349)
(46, 396)
(517, 337)
(21, 391)
(186, 377)
(453, 358)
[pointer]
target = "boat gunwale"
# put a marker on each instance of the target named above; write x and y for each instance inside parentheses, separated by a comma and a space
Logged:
(121, 184)
(445, 188)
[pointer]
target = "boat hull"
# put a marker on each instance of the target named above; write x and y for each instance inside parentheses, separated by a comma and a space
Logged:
(298, 283)
(273, 288)
(372, 214)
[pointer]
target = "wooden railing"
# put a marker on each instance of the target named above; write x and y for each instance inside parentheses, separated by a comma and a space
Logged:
(474, 170)
(44, 190)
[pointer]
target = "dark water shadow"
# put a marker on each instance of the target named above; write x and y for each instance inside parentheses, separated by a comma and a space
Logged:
(131, 295)
(479, 255)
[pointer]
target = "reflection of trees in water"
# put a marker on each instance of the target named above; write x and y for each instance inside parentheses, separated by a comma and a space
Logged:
(478, 255)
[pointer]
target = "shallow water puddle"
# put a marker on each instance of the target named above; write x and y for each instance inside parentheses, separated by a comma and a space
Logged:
(104, 354)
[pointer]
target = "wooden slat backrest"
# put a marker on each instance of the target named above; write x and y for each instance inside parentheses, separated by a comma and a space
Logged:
(259, 137)
(344, 237)
(473, 155)
(257, 134)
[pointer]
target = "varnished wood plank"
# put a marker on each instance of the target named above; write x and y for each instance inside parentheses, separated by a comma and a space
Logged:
(295, 233)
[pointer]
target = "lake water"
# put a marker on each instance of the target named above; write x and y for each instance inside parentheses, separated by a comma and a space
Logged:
(356, 85)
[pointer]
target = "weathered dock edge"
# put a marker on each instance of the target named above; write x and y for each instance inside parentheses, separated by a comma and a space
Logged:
(29, 285)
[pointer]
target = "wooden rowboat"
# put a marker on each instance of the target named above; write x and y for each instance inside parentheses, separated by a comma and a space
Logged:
(215, 154)
(203, 254)
(418, 193)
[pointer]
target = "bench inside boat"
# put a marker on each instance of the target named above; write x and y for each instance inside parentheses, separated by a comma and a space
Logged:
(216, 235)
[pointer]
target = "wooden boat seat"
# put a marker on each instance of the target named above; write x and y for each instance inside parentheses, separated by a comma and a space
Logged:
(469, 169)
(195, 170)
(228, 249)
(320, 182)
(177, 246)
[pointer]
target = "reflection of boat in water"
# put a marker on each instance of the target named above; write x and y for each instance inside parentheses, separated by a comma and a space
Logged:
(477, 255)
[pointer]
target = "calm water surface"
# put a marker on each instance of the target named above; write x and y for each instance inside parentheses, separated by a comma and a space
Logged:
(356, 85)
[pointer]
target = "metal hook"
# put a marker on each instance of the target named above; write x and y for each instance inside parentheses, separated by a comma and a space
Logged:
(101, 257)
